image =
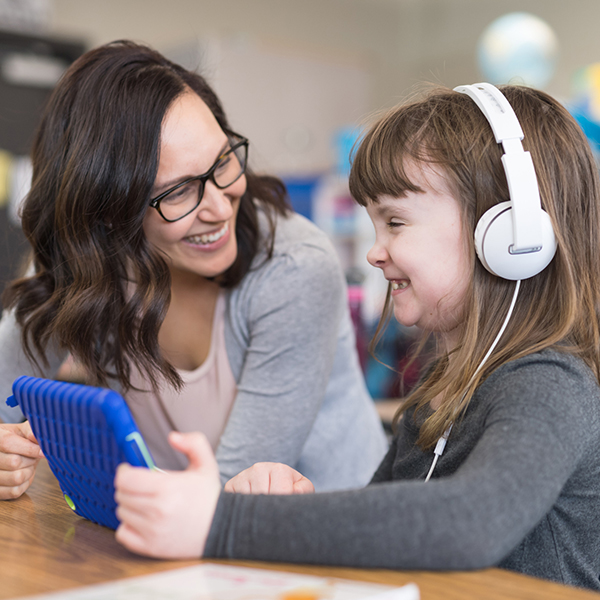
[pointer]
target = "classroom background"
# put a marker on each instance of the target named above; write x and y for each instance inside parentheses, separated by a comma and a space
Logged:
(301, 79)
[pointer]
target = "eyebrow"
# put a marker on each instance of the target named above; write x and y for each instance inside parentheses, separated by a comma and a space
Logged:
(157, 191)
(384, 206)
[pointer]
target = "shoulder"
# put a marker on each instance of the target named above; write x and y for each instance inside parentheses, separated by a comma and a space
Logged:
(549, 369)
(552, 383)
(301, 252)
(295, 234)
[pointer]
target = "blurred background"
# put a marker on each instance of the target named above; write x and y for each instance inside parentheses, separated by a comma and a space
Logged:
(300, 79)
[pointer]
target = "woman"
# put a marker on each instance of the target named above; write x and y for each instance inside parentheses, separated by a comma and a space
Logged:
(203, 298)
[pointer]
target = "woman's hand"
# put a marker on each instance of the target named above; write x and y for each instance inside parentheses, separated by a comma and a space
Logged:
(169, 514)
(269, 478)
(19, 456)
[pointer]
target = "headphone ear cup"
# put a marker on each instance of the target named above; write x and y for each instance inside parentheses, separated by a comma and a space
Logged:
(494, 236)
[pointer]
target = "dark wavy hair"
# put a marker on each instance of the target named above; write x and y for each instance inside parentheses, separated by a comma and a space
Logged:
(95, 158)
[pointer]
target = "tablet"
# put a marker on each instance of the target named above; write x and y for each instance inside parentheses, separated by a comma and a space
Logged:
(84, 432)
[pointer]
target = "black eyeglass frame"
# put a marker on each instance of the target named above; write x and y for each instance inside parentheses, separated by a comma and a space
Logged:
(209, 175)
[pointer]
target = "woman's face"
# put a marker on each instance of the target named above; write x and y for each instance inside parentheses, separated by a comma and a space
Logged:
(202, 243)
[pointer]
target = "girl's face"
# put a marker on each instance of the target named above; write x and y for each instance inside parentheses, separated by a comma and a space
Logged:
(422, 250)
(202, 243)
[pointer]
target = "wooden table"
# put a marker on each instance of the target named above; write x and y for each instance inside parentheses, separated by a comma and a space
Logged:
(44, 547)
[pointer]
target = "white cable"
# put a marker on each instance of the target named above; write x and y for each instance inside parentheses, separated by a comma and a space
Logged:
(441, 443)
(439, 449)
(506, 320)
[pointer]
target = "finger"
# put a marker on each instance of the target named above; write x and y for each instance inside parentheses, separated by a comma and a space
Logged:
(303, 486)
(135, 516)
(14, 443)
(134, 502)
(18, 477)
(13, 492)
(260, 483)
(31, 437)
(196, 448)
(238, 485)
(25, 430)
(131, 539)
(281, 482)
(16, 462)
(138, 481)
(143, 504)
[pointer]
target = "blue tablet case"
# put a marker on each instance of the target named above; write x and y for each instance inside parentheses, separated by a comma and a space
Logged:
(84, 432)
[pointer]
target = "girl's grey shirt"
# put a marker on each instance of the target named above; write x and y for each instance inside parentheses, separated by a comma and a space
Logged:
(301, 396)
(518, 486)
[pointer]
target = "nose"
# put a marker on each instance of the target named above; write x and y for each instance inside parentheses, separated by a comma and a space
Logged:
(216, 204)
(377, 255)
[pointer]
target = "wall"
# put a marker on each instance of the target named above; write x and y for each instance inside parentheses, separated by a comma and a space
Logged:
(391, 45)
(402, 41)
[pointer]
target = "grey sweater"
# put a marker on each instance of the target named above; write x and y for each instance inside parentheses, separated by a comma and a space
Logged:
(301, 396)
(518, 486)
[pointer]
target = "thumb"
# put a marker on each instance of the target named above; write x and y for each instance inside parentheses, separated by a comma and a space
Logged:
(30, 436)
(196, 447)
(24, 430)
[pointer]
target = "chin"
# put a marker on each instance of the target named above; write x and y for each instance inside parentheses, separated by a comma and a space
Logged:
(404, 319)
(213, 266)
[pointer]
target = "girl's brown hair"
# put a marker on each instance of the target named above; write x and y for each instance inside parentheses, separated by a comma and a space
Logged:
(95, 158)
(558, 308)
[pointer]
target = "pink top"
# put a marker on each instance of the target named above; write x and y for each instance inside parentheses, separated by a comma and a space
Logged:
(203, 404)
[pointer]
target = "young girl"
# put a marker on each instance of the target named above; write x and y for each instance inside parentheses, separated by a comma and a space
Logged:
(514, 387)
(171, 271)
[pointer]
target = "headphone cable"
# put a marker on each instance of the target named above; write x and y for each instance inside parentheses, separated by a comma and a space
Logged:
(441, 443)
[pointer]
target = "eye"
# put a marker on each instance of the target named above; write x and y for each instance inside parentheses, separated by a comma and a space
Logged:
(182, 193)
(223, 163)
(393, 224)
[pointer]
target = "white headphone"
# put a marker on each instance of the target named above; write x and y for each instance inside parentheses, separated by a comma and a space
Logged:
(514, 240)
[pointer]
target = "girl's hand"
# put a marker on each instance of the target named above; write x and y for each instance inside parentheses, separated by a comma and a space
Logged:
(169, 514)
(269, 478)
(19, 456)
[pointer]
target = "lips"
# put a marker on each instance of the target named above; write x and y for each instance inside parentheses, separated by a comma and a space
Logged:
(208, 238)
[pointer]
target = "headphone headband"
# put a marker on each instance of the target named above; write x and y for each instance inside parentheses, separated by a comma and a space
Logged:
(518, 166)
(498, 111)
(530, 223)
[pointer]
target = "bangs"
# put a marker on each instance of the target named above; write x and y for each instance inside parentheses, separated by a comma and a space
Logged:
(378, 168)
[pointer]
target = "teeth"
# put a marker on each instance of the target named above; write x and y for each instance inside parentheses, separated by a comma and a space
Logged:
(399, 285)
(210, 238)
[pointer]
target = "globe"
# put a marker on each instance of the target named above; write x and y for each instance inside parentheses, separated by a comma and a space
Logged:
(518, 48)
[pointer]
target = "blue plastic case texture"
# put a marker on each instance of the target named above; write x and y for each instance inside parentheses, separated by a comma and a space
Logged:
(84, 433)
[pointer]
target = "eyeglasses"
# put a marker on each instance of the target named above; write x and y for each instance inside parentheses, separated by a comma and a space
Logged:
(183, 198)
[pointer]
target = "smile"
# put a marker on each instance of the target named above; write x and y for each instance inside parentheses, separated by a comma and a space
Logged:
(399, 285)
(210, 238)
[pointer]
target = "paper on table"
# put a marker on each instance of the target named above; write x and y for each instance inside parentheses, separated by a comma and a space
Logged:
(225, 582)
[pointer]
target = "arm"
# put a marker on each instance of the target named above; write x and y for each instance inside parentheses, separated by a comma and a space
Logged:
(466, 520)
(435, 525)
(287, 319)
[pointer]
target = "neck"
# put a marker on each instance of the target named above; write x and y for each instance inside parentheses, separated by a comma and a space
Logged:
(185, 283)
(448, 340)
